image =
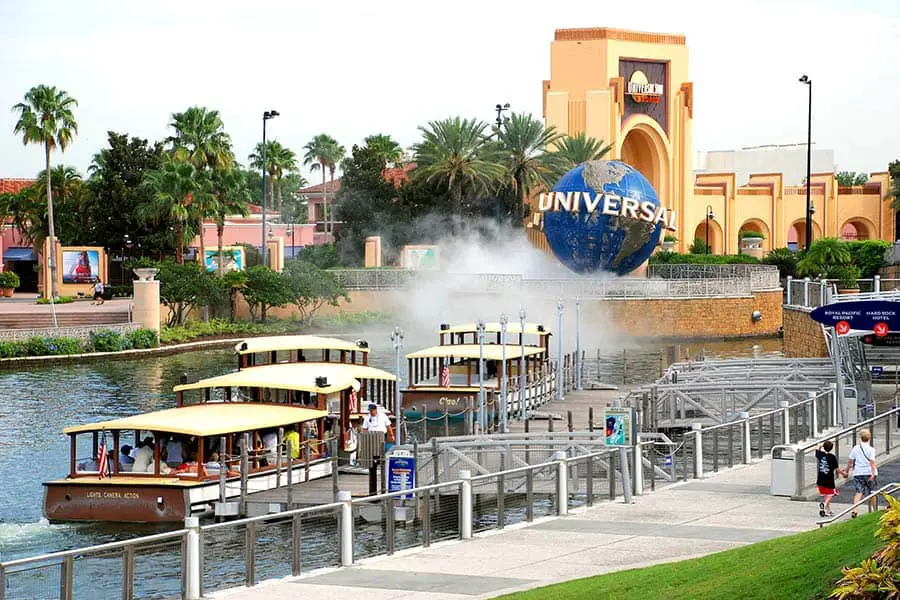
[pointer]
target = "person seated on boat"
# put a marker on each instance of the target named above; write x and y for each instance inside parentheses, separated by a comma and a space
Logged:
(376, 420)
(125, 460)
(191, 467)
(270, 441)
(293, 437)
(215, 465)
(143, 458)
(300, 357)
(259, 453)
(491, 369)
(164, 469)
(176, 451)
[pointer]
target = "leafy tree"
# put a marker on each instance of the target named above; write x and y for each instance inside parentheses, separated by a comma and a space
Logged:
(323, 256)
(295, 209)
(116, 191)
(265, 288)
(848, 178)
(454, 155)
(234, 281)
(312, 288)
(171, 187)
(185, 286)
(45, 117)
(894, 171)
(577, 149)
(28, 207)
(521, 147)
(868, 255)
(323, 152)
(230, 191)
(784, 259)
(275, 154)
(385, 147)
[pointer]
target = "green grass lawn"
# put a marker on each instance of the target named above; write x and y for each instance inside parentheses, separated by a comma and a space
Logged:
(802, 566)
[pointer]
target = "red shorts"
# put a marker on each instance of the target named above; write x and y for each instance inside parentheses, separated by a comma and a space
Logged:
(827, 491)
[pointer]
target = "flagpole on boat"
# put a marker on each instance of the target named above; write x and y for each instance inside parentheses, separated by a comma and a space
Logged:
(397, 339)
(522, 407)
(504, 409)
(481, 406)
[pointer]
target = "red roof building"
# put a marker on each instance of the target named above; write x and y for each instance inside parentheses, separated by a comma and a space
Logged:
(14, 186)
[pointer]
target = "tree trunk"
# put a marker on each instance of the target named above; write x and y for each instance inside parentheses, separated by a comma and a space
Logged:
(179, 236)
(220, 234)
(331, 175)
(272, 190)
(202, 251)
(324, 199)
(280, 205)
(51, 260)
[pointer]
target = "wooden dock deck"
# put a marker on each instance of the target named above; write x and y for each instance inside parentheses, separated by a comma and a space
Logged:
(579, 403)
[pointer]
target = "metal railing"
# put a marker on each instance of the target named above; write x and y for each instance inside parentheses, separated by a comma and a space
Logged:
(809, 293)
(193, 561)
(762, 277)
(871, 500)
(884, 430)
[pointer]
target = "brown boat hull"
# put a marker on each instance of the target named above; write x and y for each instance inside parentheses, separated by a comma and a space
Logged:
(134, 504)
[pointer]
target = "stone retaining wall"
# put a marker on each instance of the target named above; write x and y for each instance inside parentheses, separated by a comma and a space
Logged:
(803, 337)
(82, 332)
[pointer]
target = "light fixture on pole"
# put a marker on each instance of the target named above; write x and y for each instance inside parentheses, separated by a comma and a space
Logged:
(397, 341)
(578, 365)
(269, 114)
(809, 210)
(500, 108)
(560, 395)
(709, 215)
(481, 403)
(522, 405)
(504, 401)
(290, 231)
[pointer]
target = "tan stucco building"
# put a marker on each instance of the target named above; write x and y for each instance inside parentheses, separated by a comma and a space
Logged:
(632, 89)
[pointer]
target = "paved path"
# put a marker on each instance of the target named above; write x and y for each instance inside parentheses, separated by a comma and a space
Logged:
(685, 520)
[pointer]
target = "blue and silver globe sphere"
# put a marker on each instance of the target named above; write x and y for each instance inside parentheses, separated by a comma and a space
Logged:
(589, 241)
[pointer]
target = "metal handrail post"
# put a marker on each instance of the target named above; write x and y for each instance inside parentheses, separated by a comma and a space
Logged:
(876, 284)
(345, 498)
(465, 497)
(806, 291)
(697, 430)
(813, 414)
(787, 284)
(626, 480)
(638, 470)
(562, 483)
(799, 466)
(786, 420)
(192, 564)
(745, 436)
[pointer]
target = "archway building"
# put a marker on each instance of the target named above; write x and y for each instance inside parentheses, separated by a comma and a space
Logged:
(632, 90)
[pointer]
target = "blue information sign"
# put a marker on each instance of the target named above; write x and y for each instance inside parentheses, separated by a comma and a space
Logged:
(861, 315)
(877, 371)
(401, 474)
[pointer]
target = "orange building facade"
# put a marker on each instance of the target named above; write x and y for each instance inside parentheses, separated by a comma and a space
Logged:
(632, 90)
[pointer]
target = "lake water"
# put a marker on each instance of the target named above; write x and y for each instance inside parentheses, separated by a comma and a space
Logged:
(35, 406)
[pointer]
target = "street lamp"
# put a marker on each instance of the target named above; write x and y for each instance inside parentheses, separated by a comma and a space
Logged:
(500, 108)
(809, 211)
(269, 114)
(397, 341)
(290, 231)
(709, 215)
(522, 406)
(504, 406)
(481, 404)
(560, 395)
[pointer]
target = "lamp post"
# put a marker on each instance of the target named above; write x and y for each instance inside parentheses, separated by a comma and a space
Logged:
(560, 395)
(522, 406)
(481, 403)
(809, 211)
(578, 365)
(504, 406)
(500, 108)
(290, 231)
(709, 215)
(269, 114)
(397, 341)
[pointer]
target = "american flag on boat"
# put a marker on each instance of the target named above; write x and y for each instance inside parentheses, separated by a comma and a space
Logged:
(353, 403)
(445, 376)
(103, 458)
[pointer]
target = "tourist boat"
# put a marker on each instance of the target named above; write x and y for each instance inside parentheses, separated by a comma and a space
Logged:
(459, 351)
(300, 348)
(166, 494)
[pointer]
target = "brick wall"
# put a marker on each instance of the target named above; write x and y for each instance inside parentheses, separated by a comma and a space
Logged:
(803, 337)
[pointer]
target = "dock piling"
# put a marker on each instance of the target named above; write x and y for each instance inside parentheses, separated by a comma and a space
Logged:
(465, 499)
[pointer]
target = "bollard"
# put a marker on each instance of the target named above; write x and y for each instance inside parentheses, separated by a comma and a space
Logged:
(786, 421)
(562, 483)
(465, 513)
(192, 560)
(698, 449)
(346, 529)
(638, 470)
(745, 438)
(813, 414)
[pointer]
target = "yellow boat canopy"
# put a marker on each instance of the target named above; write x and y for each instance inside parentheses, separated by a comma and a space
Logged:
(204, 420)
(512, 328)
(296, 342)
(491, 351)
(294, 376)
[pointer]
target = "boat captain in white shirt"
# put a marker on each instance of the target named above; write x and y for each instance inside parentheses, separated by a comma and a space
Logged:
(376, 420)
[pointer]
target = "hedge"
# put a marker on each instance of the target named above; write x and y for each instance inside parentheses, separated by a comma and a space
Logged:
(103, 340)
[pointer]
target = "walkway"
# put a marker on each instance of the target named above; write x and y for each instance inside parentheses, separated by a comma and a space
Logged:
(15, 313)
(685, 520)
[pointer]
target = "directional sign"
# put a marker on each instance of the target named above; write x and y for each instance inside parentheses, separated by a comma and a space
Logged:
(891, 339)
(401, 473)
(860, 315)
(877, 371)
(880, 329)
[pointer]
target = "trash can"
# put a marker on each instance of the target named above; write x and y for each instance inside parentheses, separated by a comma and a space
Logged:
(783, 471)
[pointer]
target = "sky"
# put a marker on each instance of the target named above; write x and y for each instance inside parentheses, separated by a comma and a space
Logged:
(354, 68)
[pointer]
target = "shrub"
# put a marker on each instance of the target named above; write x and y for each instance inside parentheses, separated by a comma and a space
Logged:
(868, 255)
(58, 300)
(784, 259)
(143, 338)
(876, 576)
(699, 247)
(107, 340)
(9, 280)
(845, 274)
(12, 349)
(674, 258)
(746, 233)
(823, 256)
(669, 238)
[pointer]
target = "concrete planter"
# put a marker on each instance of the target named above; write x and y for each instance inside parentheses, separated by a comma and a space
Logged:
(667, 246)
(7, 292)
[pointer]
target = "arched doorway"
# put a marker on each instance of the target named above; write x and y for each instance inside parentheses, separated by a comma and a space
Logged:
(755, 226)
(715, 235)
(858, 229)
(796, 237)
(644, 148)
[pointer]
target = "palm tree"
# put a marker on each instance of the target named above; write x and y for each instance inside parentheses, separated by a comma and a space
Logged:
(320, 153)
(45, 117)
(390, 151)
(200, 139)
(256, 162)
(522, 144)
(172, 187)
(335, 157)
(285, 162)
(574, 150)
(455, 153)
(232, 198)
